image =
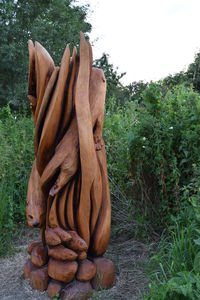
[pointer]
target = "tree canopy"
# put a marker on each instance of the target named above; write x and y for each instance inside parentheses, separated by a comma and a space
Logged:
(53, 23)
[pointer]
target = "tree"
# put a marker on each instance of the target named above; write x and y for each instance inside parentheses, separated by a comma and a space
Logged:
(53, 23)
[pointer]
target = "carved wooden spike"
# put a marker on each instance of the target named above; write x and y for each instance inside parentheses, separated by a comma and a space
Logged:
(44, 107)
(53, 218)
(102, 233)
(69, 212)
(68, 104)
(32, 78)
(44, 67)
(35, 203)
(86, 142)
(54, 114)
(61, 206)
(90, 55)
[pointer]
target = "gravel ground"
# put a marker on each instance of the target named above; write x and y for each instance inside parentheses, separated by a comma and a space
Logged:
(130, 258)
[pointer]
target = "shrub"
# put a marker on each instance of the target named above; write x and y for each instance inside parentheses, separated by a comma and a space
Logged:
(174, 270)
(164, 145)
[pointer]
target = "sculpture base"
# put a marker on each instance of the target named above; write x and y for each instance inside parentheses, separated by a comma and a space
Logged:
(68, 279)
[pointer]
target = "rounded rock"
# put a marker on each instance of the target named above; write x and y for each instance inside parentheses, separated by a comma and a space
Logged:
(86, 270)
(61, 270)
(105, 275)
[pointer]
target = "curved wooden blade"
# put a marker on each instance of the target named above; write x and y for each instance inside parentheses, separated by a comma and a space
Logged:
(44, 67)
(62, 206)
(68, 107)
(44, 107)
(32, 78)
(53, 219)
(101, 236)
(90, 55)
(51, 124)
(69, 211)
(86, 142)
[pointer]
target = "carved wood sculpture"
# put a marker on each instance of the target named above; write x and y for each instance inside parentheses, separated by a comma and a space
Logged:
(68, 193)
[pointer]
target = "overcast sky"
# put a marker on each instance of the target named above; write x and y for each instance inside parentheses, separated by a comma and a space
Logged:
(147, 39)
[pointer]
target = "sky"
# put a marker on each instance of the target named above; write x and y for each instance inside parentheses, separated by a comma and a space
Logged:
(147, 39)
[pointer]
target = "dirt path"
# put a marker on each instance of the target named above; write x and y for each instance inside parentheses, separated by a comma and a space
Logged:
(130, 258)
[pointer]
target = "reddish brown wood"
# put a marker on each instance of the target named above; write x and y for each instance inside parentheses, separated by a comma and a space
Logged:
(68, 192)
(77, 243)
(54, 288)
(105, 275)
(39, 256)
(32, 245)
(53, 117)
(44, 108)
(32, 78)
(39, 278)
(28, 267)
(76, 291)
(82, 255)
(62, 253)
(52, 238)
(35, 203)
(62, 271)
(102, 234)
(86, 270)
(68, 107)
(44, 67)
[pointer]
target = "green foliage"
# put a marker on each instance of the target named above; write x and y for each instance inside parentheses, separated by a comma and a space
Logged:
(175, 269)
(53, 23)
(164, 145)
(16, 156)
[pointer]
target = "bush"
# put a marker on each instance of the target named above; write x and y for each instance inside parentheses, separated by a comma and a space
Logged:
(16, 156)
(175, 269)
(117, 123)
(164, 145)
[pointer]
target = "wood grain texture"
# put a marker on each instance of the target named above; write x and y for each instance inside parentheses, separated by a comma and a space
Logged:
(68, 185)
(89, 164)
(101, 236)
(68, 103)
(53, 117)
(44, 66)
(35, 201)
(32, 78)
(44, 108)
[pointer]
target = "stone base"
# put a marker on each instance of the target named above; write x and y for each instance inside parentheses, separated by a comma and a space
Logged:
(73, 280)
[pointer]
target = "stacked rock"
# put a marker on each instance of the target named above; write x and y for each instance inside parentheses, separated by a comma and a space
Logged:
(62, 266)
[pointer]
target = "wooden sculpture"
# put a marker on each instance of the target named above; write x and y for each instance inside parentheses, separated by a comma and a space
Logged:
(68, 192)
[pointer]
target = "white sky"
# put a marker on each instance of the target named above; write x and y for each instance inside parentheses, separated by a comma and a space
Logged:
(147, 39)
